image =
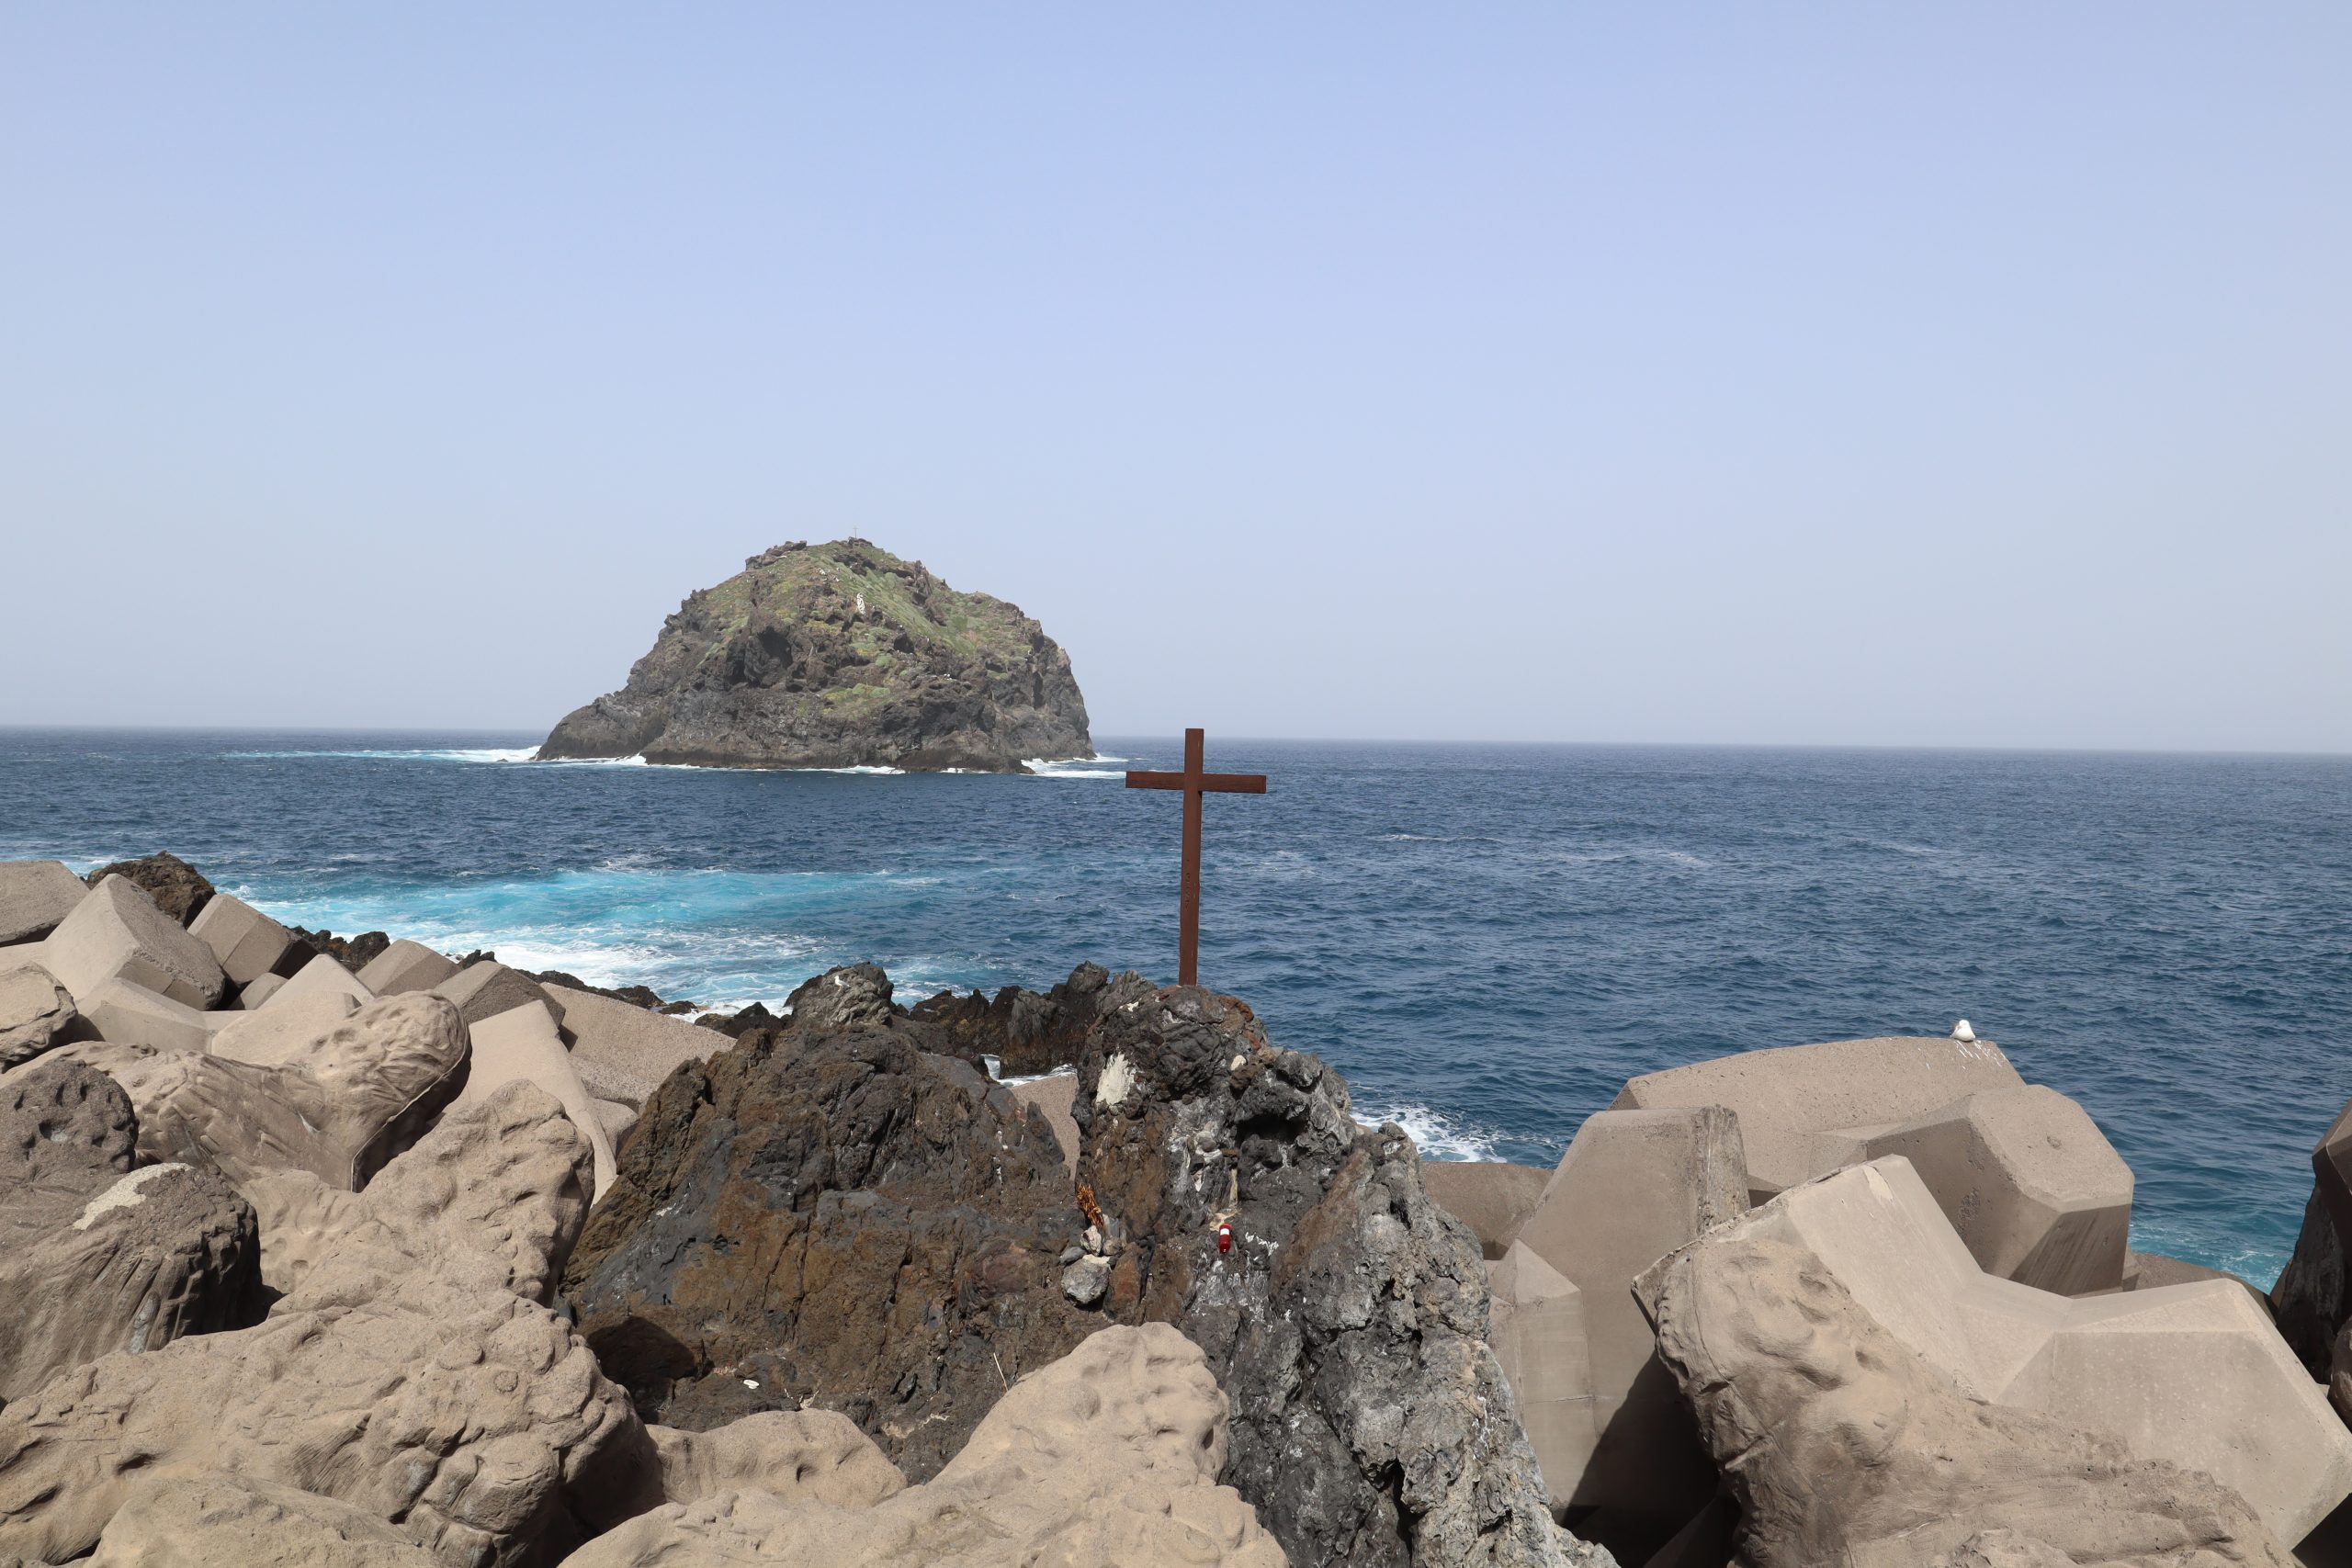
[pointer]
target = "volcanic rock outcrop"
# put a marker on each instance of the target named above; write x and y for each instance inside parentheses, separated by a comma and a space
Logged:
(829, 1214)
(839, 655)
(1346, 1321)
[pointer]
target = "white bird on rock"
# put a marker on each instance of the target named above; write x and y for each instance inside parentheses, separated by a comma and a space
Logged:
(1961, 1032)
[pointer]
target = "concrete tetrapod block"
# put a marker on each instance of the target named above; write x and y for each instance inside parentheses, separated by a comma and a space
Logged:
(622, 1051)
(1787, 1096)
(35, 894)
(128, 1014)
(1492, 1197)
(257, 992)
(35, 1013)
(2033, 1187)
(1634, 1186)
(1054, 1095)
(118, 930)
(321, 976)
(522, 1043)
(1538, 1335)
(275, 1036)
(247, 942)
(485, 990)
(406, 966)
(2193, 1374)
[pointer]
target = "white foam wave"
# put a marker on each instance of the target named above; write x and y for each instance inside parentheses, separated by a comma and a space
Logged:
(1435, 1133)
(996, 1071)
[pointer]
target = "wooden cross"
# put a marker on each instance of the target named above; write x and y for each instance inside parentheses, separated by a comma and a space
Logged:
(1194, 783)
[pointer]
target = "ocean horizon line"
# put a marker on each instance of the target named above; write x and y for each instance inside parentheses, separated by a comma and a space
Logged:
(1174, 736)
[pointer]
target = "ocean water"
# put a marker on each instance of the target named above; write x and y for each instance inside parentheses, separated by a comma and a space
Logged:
(1486, 940)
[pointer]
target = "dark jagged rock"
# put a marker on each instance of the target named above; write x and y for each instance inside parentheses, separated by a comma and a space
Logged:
(644, 997)
(353, 952)
(856, 995)
(737, 1024)
(839, 655)
(1371, 1423)
(178, 888)
(830, 1215)
(96, 1257)
(1027, 1032)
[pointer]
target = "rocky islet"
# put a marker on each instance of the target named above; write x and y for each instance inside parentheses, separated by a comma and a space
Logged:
(342, 1271)
(839, 655)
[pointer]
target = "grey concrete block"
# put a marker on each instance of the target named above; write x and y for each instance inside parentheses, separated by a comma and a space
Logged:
(320, 975)
(126, 1013)
(406, 966)
(485, 990)
(118, 931)
(247, 942)
(35, 894)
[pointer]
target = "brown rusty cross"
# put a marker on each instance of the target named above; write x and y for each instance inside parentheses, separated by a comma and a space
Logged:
(1194, 783)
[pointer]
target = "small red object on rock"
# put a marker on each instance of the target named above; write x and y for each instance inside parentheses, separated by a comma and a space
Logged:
(1225, 1238)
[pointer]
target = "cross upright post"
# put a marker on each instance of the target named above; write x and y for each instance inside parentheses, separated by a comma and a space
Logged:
(1195, 781)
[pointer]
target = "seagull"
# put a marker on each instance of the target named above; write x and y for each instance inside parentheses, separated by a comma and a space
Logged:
(1961, 1032)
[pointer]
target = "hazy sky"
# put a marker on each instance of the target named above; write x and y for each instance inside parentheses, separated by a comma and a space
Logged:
(1885, 374)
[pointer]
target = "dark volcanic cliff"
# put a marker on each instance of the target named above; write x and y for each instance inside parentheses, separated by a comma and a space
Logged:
(837, 656)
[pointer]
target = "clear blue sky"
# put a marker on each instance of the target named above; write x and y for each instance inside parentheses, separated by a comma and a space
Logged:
(1970, 374)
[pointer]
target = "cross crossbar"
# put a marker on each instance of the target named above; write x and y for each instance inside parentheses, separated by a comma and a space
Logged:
(1195, 781)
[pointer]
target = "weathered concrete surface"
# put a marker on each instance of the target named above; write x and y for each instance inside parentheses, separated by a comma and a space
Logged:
(623, 1053)
(274, 1037)
(362, 1094)
(96, 1257)
(485, 990)
(2194, 1375)
(35, 894)
(118, 931)
(124, 1013)
(404, 1377)
(2034, 1189)
(1492, 1197)
(1634, 1186)
(1788, 1096)
(405, 966)
(1540, 1340)
(1843, 1445)
(210, 1519)
(1109, 1456)
(816, 1456)
(35, 1013)
(523, 1044)
(246, 942)
(1052, 1097)
(322, 976)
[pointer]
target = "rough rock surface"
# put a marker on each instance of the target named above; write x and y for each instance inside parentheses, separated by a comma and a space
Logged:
(96, 1257)
(842, 1220)
(35, 1012)
(178, 888)
(364, 1092)
(1371, 1422)
(498, 1178)
(1104, 1459)
(800, 1455)
(1843, 1446)
(839, 655)
(1027, 1032)
(411, 1383)
(209, 1519)
(2310, 1299)
(34, 895)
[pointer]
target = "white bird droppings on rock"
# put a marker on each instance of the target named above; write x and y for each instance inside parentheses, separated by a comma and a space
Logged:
(123, 1194)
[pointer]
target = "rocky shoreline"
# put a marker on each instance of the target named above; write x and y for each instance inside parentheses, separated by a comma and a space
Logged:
(343, 1250)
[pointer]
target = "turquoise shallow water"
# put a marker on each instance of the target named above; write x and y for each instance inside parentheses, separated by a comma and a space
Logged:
(1486, 940)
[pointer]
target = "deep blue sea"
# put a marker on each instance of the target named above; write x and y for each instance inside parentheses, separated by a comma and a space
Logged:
(1486, 940)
